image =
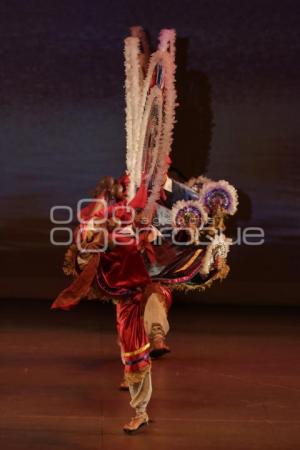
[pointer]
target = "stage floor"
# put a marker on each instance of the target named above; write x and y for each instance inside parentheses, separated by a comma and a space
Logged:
(232, 380)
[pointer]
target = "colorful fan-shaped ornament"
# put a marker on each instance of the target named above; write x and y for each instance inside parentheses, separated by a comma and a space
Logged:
(219, 195)
(189, 213)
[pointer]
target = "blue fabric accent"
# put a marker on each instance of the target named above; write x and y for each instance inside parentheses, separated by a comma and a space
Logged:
(179, 192)
(135, 361)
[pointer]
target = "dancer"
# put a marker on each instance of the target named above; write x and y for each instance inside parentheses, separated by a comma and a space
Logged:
(144, 235)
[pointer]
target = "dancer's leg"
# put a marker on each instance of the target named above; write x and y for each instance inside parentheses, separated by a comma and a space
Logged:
(135, 355)
(156, 319)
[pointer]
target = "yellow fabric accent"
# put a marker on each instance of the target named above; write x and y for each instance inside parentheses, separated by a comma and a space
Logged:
(136, 352)
(190, 261)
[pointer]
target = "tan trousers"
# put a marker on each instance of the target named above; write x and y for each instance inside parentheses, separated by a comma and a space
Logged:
(156, 322)
(155, 314)
(141, 393)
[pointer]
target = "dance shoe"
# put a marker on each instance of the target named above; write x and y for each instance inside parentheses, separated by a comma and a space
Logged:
(136, 423)
(123, 386)
(158, 348)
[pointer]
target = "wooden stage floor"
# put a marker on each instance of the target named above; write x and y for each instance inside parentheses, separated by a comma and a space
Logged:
(232, 381)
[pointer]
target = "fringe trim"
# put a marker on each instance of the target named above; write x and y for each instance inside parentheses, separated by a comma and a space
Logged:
(166, 137)
(132, 97)
(187, 288)
(167, 37)
(69, 264)
(138, 104)
(138, 31)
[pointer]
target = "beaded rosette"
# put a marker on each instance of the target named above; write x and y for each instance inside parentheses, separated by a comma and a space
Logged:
(221, 195)
(189, 213)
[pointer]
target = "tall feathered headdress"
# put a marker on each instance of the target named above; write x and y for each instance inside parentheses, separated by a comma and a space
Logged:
(150, 110)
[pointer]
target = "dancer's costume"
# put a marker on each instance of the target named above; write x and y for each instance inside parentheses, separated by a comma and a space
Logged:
(176, 239)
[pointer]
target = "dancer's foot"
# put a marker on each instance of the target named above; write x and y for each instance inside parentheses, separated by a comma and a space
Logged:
(124, 386)
(136, 423)
(159, 348)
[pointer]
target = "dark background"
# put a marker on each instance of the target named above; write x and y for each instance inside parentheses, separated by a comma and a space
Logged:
(62, 125)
